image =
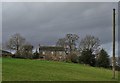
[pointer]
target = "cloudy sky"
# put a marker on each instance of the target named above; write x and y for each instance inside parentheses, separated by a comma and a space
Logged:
(45, 22)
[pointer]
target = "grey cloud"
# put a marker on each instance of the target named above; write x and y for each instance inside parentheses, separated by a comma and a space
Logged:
(46, 22)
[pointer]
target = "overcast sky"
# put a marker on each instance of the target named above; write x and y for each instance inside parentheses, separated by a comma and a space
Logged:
(45, 22)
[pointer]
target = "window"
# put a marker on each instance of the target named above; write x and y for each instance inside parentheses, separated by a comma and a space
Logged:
(43, 53)
(60, 53)
(52, 53)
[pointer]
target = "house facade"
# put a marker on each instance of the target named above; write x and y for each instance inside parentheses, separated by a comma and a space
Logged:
(55, 53)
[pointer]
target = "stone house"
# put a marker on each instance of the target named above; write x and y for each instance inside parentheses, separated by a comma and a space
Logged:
(56, 53)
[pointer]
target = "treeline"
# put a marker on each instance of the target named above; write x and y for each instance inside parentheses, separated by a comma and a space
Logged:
(87, 51)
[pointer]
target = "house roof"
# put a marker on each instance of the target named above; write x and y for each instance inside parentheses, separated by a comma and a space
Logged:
(51, 48)
(4, 52)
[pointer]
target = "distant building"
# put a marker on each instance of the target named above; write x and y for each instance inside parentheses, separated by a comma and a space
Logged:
(5, 53)
(117, 59)
(52, 52)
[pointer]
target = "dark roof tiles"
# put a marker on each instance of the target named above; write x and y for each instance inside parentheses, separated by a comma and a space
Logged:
(51, 48)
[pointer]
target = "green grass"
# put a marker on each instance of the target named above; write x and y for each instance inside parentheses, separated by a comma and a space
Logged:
(0, 69)
(41, 70)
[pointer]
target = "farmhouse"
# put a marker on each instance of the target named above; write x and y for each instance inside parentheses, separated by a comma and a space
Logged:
(52, 52)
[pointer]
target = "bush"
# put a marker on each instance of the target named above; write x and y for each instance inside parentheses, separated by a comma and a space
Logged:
(74, 58)
(48, 57)
(35, 55)
(7, 55)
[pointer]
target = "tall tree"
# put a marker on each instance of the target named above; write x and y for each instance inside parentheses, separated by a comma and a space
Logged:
(103, 59)
(15, 42)
(90, 42)
(69, 42)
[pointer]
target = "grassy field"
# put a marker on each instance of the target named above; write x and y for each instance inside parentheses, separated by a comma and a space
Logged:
(41, 70)
(0, 69)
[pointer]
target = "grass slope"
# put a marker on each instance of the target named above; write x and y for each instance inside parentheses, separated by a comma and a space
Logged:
(40, 70)
(0, 69)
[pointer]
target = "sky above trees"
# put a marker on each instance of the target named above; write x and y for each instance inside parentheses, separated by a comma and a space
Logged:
(45, 22)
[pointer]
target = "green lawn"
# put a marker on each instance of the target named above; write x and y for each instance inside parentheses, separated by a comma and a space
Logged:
(0, 69)
(41, 70)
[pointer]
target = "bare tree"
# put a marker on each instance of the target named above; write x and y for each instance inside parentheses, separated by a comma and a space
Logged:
(15, 42)
(26, 50)
(89, 42)
(69, 42)
(61, 42)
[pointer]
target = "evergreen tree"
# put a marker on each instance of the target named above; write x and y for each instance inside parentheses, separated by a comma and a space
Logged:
(103, 59)
(87, 57)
